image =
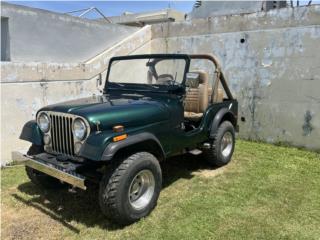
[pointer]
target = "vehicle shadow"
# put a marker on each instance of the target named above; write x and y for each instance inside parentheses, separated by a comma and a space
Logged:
(182, 166)
(75, 205)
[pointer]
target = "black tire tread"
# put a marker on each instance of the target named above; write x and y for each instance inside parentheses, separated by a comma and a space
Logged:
(211, 155)
(110, 182)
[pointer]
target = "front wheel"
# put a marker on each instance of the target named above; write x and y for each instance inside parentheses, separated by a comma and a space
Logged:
(222, 145)
(131, 190)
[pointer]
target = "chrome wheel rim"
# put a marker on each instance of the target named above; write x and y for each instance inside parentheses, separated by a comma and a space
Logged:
(141, 189)
(226, 144)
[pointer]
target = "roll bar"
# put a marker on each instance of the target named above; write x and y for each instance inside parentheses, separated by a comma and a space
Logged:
(218, 71)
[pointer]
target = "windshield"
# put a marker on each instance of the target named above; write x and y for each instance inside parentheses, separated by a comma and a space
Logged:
(147, 70)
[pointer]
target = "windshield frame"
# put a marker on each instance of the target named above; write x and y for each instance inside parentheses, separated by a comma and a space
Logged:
(148, 56)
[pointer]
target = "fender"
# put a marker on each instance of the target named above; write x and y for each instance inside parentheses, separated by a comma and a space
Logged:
(32, 133)
(217, 120)
(114, 147)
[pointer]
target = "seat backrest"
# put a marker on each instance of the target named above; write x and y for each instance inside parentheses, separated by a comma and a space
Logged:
(217, 96)
(197, 97)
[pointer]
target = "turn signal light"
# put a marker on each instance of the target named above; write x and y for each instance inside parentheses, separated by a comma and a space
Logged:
(118, 128)
(120, 137)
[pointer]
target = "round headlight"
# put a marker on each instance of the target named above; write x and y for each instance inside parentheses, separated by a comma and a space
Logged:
(43, 122)
(79, 129)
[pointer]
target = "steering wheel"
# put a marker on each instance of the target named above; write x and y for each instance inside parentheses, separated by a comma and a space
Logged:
(166, 79)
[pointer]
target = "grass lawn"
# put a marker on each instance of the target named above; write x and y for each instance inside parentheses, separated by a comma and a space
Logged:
(266, 192)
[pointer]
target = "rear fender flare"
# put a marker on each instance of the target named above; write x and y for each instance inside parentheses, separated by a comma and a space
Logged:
(217, 120)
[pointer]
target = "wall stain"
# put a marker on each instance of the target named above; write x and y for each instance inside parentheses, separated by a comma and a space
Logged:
(307, 126)
(44, 87)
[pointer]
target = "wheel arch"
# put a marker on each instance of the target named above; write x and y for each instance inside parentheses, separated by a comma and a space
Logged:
(229, 116)
(222, 115)
(144, 142)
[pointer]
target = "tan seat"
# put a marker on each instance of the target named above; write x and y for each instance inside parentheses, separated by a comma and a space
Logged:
(217, 96)
(197, 98)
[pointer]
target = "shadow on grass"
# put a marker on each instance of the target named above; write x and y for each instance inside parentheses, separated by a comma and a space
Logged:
(80, 206)
(182, 166)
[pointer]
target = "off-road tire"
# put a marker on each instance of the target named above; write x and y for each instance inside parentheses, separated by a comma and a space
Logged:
(41, 179)
(214, 155)
(114, 188)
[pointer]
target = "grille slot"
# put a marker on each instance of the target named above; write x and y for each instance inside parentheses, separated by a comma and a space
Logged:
(61, 134)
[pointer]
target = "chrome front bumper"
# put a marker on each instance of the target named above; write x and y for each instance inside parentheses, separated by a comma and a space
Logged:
(58, 171)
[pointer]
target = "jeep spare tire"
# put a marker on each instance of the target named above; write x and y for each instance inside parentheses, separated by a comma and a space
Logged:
(131, 190)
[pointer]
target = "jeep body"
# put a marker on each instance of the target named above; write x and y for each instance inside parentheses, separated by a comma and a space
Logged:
(133, 125)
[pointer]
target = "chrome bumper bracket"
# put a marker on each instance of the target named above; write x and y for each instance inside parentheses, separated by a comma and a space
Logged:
(70, 177)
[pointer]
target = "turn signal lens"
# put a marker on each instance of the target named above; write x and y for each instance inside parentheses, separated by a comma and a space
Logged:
(118, 128)
(46, 139)
(120, 137)
(77, 147)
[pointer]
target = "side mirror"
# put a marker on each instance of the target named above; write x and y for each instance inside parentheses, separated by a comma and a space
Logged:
(99, 80)
(193, 80)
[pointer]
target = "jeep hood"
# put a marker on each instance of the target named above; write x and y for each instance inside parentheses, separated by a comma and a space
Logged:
(130, 110)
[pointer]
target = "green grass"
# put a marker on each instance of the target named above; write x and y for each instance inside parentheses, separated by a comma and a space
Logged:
(266, 192)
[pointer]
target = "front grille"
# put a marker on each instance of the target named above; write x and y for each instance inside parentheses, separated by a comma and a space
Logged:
(61, 134)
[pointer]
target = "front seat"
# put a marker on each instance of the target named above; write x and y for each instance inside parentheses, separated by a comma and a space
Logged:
(197, 98)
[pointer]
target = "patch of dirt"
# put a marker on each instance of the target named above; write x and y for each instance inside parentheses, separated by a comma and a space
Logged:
(210, 173)
(27, 223)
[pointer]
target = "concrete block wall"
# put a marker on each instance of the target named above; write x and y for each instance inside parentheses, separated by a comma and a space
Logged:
(272, 65)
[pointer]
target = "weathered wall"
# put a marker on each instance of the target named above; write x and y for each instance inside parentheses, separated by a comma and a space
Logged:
(272, 65)
(221, 8)
(42, 36)
(205, 9)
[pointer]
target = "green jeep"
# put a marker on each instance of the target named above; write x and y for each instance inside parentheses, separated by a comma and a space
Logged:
(151, 108)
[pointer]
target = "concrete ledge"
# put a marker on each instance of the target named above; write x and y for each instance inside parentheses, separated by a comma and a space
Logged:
(279, 18)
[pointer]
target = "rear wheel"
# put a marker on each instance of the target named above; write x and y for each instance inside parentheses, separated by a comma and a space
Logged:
(131, 190)
(39, 178)
(222, 145)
